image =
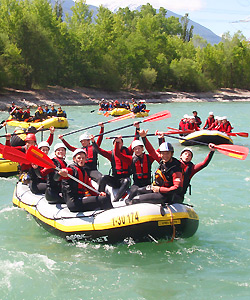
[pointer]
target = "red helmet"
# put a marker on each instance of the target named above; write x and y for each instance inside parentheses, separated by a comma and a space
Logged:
(30, 137)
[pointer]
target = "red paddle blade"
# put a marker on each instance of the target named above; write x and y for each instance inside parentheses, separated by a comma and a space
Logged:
(36, 156)
(234, 151)
(1, 148)
(158, 116)
(243, 134)
(124, 117)
(232, 134)
(16, 155)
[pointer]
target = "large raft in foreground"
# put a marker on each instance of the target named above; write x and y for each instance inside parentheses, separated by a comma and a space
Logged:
(57, 122)
(206, 136)
(141, 222)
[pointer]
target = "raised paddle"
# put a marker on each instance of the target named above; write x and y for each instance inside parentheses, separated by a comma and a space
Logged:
(35, 131)
(131, 115)
(36, 156)
(155, 117)
(13, 154)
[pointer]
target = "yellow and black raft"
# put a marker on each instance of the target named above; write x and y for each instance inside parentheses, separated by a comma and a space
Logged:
(141, 222)
(206, 136)
(57, 122)
(7, 167)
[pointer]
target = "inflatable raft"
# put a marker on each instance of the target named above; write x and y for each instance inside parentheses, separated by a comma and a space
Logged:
(206, 136)
(141, 222)
(7, 167)
(57, 122)
(116, 112)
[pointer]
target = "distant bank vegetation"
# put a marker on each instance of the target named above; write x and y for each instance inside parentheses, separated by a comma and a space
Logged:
(124, 50)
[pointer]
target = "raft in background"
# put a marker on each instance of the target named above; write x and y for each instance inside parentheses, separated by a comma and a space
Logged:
(7, 167)
(57, 122)
(141, 222)
(116, 112)
(206, 136)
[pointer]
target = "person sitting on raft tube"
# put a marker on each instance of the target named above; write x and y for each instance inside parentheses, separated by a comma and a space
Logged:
(52, 112)
(61, 113)
(225, 125)
(78, 197)
(197, 119)
(53, 193)
(39, 114)
(92, 154)
(167, 186)
(183, 122)
(191, 169)
(209, 124)
(191, 125)
(38, 179)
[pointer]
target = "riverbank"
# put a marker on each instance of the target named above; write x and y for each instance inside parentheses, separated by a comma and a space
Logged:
(85, 96)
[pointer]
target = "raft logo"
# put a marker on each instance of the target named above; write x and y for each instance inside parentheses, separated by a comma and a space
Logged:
(83, 236)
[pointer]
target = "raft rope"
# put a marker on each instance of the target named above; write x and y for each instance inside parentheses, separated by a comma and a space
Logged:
(172, 224)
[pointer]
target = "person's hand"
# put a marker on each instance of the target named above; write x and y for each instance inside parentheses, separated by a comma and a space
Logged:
(52, 129)
(160, 134)
(8, 136)
(102, 194)
(137, 124)
(60, 136)
(101, 124)
(118, 139)
(155, 188)
(143, 133)
(92, 138)
(211, 146)
(63, 172)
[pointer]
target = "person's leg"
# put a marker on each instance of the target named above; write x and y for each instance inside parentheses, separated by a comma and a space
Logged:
(125, 182)
(89, 203)
(52, 197)
(94, 175)
(108, 180)
(150, 197)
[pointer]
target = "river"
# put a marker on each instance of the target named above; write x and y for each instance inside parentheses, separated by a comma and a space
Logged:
(213, 264)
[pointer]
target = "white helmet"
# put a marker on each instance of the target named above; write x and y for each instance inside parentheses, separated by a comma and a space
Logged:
(59, 145)
(185, 116)
(79, 150)
(137, 143)
(166, 147)
(211, 113)
(187, 149)
(224, 118)
(43, 144)
(84, 136)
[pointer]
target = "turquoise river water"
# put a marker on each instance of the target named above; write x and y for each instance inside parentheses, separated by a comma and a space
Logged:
(213, 264)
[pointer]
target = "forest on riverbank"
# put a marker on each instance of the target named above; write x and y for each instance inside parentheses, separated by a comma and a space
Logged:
(126, 50)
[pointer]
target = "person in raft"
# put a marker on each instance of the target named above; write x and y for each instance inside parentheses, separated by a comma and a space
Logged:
(92, 154)
(225, 125)
(197, 119)
(209, 124)
(168, 182)
(78, 197)
(191, 125)
(190, 169)
(53, 193)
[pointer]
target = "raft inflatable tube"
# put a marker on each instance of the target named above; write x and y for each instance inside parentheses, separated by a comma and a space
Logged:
(141, 222)
(7, 167)
(57, 122)
(206, 136)
(116, 112)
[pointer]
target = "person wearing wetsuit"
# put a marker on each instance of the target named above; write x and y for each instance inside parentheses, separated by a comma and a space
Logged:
(91, 163)
(225, 125)
(197, 119)
(77, 196)
(38, 180)
(167, 186)
(209, 124)
(191, 125)
(53, 192)
(61, 113)
(40, 114)
(183, 122)
(52, 112)
(191, 169)
(19, 114)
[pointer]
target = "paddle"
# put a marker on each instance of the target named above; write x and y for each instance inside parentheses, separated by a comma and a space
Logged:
(36, 156)
(131, 115)
(13, 154)
(155, 117)
(242, 134)
(35, 131)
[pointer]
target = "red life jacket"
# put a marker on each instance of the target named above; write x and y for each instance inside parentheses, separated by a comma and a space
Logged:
(60, 163)
(119, 168)
(209, 122)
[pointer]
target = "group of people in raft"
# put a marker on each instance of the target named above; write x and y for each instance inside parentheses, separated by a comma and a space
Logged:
(171, 180)
(40, 114)
(134, 106)
(212, 123)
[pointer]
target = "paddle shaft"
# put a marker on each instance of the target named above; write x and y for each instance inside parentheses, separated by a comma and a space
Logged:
(79, 181)
(13, 134)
